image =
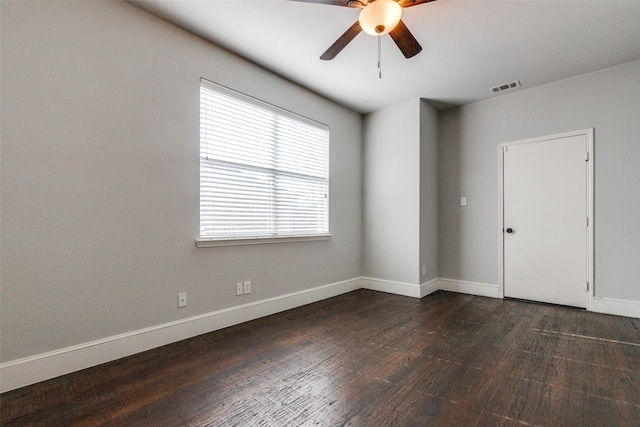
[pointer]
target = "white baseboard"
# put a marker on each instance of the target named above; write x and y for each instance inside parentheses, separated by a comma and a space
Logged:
(615, 306)
(33, 369)
(391, 287)
(473, 288)
(428, 287)
(400, 288)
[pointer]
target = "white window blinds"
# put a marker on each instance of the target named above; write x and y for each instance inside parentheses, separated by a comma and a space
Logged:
(263, 170)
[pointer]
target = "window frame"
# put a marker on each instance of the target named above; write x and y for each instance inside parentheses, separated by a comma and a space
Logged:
(213, 241)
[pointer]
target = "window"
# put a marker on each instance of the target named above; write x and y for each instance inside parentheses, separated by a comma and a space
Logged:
(263, 171)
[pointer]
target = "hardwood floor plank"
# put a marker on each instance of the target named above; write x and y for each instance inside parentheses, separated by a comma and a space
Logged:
(365, 359)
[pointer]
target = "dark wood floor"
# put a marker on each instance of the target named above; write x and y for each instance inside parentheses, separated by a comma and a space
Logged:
(366, 359)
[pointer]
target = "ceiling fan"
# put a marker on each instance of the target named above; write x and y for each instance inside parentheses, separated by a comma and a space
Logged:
(377, 17)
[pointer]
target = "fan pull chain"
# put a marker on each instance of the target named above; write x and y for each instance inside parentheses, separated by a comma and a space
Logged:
(379, 57)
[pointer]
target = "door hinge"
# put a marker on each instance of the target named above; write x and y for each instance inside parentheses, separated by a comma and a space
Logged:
(587, 222)
(587, 286)
(586, 156)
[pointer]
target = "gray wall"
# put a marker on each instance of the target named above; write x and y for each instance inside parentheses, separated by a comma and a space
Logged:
(607, 100)
(100, 175)
(401, 193)
(392, 193)
(428, 193)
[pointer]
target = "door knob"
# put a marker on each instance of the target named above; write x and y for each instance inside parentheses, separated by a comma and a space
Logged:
(509, 230)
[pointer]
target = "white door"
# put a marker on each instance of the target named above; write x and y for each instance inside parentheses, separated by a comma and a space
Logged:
(545, 210)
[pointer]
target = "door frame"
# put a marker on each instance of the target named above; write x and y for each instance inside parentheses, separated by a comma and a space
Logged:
(590, 292)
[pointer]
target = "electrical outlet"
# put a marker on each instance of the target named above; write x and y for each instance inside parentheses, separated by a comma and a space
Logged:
(182, 299)
(239, 288)
(247, 287)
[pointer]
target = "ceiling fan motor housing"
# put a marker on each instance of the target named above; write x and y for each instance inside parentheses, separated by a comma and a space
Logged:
(380, 17)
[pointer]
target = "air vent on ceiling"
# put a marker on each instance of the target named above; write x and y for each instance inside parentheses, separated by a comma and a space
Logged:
(506, 86)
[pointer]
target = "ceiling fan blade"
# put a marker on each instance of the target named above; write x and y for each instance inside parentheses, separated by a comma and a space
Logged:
(408, 3)
(344, 40)
(408, 44)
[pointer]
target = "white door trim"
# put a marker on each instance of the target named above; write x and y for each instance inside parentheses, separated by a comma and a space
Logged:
(590, 294)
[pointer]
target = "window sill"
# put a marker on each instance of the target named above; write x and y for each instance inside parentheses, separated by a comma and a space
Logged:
(211, 243)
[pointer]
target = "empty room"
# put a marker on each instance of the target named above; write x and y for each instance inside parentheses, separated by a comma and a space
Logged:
(319, 212)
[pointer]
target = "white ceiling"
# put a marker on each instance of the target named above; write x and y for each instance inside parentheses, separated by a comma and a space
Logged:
(468, 46)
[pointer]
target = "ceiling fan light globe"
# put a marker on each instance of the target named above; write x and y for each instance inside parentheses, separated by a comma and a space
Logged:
(380, 17)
